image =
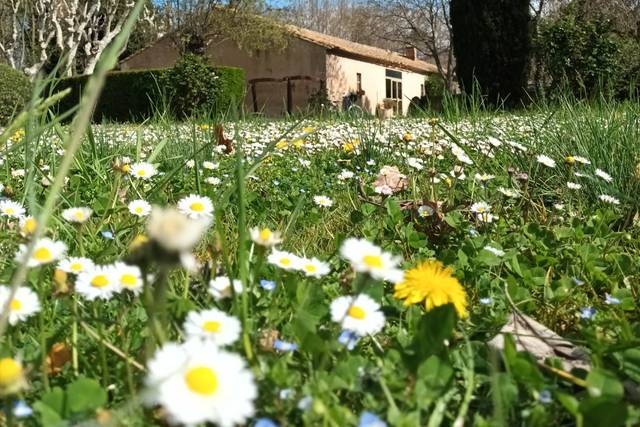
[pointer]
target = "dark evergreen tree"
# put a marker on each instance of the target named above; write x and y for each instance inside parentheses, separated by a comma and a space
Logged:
(492, 44)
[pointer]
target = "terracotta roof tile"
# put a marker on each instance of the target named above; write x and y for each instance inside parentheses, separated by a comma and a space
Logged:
(372, 53)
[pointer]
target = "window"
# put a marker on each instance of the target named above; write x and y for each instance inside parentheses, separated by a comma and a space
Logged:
(359, 82)
(393, 86)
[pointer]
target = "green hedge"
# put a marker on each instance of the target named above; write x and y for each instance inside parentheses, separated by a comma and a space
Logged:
(131, 96)
(15, 90)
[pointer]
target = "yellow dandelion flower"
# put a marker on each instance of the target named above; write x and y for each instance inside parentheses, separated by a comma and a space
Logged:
(434, 284)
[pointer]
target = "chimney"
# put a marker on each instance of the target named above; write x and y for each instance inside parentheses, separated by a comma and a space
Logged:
(411, 53)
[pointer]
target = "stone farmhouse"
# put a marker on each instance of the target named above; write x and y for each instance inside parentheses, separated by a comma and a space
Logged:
(377, 80)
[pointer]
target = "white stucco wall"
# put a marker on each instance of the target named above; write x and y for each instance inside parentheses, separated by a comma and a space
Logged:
(342, 79)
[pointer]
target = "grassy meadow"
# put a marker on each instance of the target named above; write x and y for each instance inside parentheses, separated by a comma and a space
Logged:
(336, 272)
(327, 272)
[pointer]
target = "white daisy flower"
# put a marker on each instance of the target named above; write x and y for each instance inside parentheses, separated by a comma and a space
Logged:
(609, 199)
(175, 232)
(483, 178)
(17, 173)
(480, 207)
(574, 186)
(313, 267)
(23, 305)
(366, 257)
(323, 201)
(345, 175)
(198, 383)
(284, 260)
(190, 163)
(212, 180)
(486, 217)
(78, 215)
(44, 252)
(196, 207)
(508, 192)
(75, 265)
(361, 314)
(100, 282)
(265, 237)
(602, 174)
(581, 160)
(11, 209)
(142, 170)
(139, 208)
(210, 165)
(129, 277)
(213, 325)
(28, 225)
(546, 160)
(415, 163)
(220, 287)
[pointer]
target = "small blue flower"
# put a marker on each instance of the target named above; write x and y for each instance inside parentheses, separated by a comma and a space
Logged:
(473, 232)
(587, 313)
(305, 403)
(265, 422)
(349, 339)
(267, 285)
(486, 301)
(107, 234)
(577, 281)
(545, 397)
(369, 419)
(284, 345)
(21, 409)
(608, 299)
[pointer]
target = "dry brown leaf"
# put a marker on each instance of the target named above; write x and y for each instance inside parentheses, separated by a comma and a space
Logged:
(391, 177)
(543, 343)
(58, 356)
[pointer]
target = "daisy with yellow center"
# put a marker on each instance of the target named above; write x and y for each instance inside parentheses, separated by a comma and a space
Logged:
(196, 207)
(213, 325)
(265, 237)
(175, 232)
(142, 171)
(101, 282)
(198, 383)
(44, 252)
(78, 215)
(360, 314)
(284, 260)
(75, 265)
(129, 277)
(12, 378)
(432, 284)
(323, 201)
(313, 267)
(28, 225)
(22, 305)
(139, 208)
(11, 209)
(365, 257)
